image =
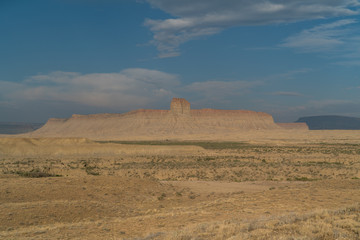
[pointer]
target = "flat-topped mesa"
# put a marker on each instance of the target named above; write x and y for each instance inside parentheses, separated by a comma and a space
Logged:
(180, 122)
(180, 106)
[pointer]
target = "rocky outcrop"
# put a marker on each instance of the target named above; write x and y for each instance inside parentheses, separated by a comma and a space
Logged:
(178, 122)
(180, 106)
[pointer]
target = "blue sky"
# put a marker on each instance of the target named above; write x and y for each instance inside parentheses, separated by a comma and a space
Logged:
(287, 58)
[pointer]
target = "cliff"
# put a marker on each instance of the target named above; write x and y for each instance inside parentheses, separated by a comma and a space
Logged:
(178, 122)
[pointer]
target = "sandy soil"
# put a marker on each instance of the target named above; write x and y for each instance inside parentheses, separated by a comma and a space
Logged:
(303, 186)
(209, 187)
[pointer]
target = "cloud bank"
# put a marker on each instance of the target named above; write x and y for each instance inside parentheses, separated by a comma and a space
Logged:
(135, 87)
(60, 94)
(193, 19)
(119, 92)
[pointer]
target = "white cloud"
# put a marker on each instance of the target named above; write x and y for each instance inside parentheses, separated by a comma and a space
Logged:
(60, 94)
(7, 87)
(219, 94)
(315, 108)
(290, 94)
(328, 102)
(221, 88)
(324, 37)
(349, 63)
(128, 89)
(288, 75)
(333, 107)
(208, 17)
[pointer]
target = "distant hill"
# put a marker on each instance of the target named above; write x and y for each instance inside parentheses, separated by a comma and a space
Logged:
(17, 128)
(331, 122)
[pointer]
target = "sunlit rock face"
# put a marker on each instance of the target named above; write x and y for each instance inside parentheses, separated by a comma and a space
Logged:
(180, 122)
(180, 106)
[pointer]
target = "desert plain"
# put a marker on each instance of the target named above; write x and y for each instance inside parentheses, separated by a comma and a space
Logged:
(179, 174)
(271, 184)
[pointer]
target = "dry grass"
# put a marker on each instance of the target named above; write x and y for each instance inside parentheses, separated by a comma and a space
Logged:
(116, 190)
(341, 223)
(224, 161)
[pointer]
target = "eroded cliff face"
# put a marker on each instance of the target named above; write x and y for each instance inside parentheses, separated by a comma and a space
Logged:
(180, 106)
(179, 122)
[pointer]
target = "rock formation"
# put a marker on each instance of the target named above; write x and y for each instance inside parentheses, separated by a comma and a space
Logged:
(180, 106)
(179, 122)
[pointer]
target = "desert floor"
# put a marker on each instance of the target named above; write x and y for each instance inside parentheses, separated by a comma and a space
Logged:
(304, 186)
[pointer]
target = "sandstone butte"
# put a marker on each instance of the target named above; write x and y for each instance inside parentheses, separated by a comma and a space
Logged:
(180, 122)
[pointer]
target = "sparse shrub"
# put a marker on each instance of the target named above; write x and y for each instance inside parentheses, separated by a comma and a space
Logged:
(162, 197)
(89, 169)
(36, 173)
(303, 179)
(192, 195)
